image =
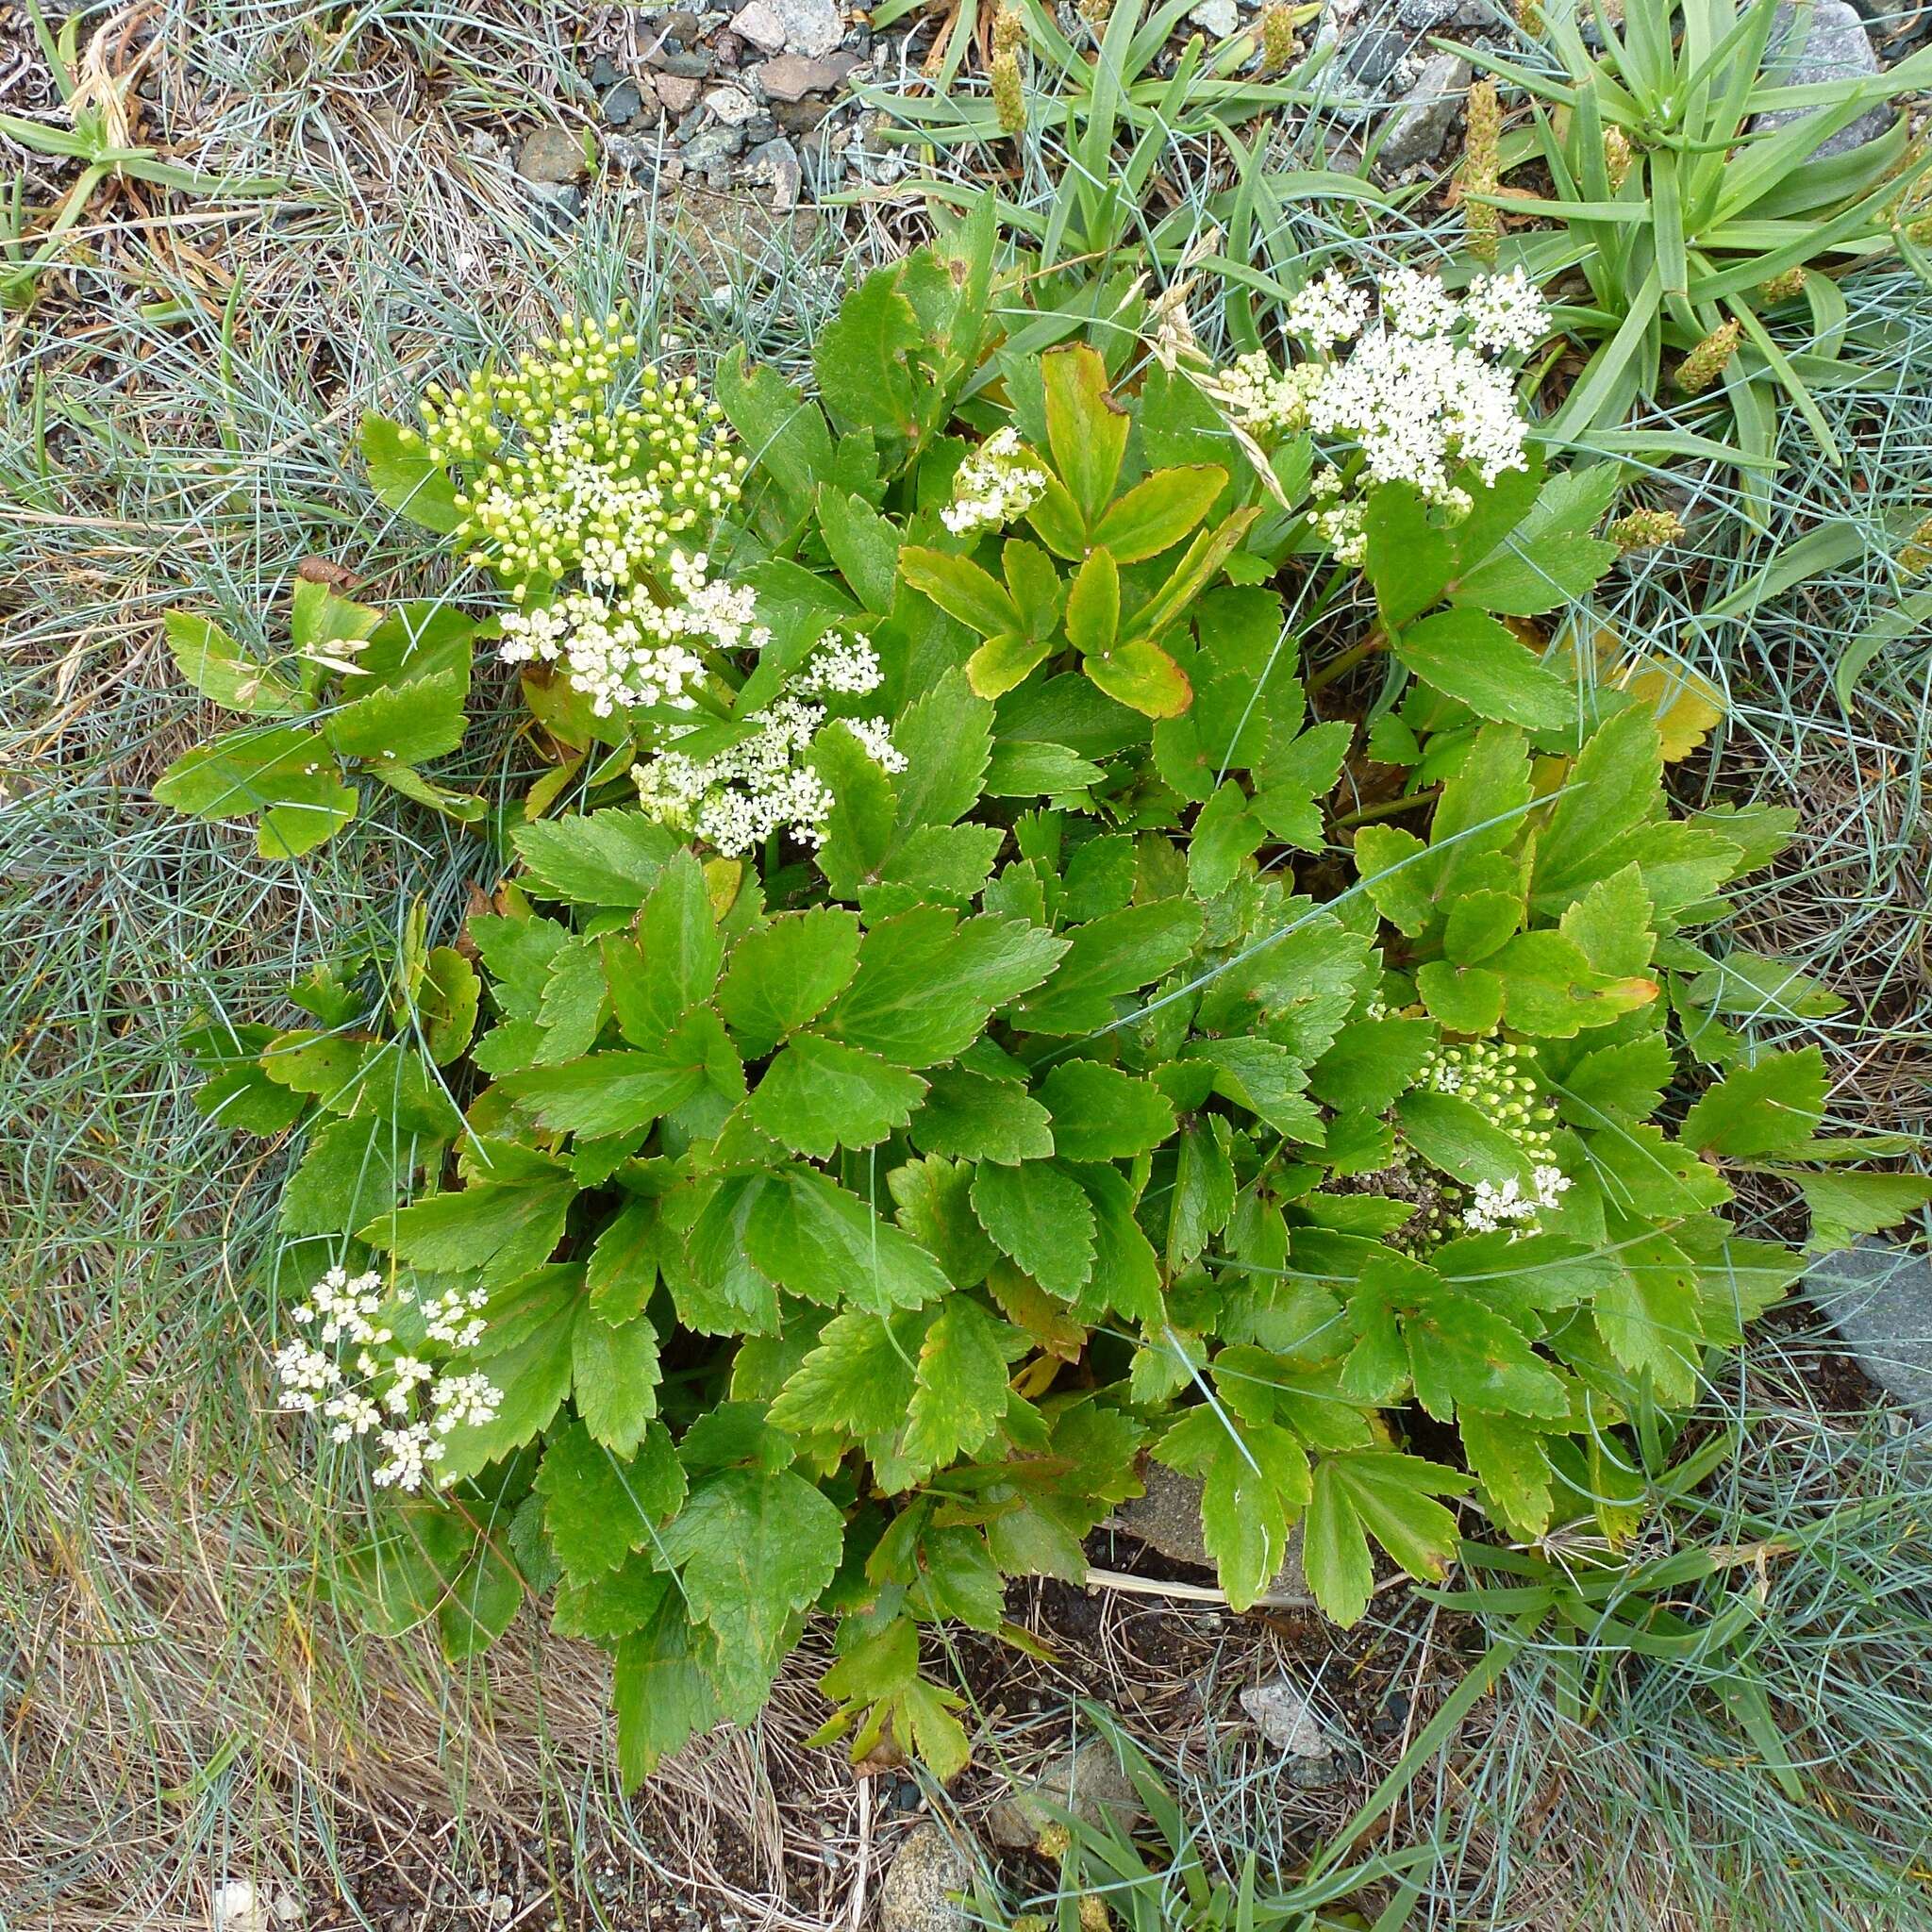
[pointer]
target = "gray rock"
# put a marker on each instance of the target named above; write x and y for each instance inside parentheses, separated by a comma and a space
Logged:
(1421, 125)
(1216, 17)
(1371, 58)
(1424, 16)
(925, 1868)
(791, 27)
(551, 156)
(790, 76)
(730, 105)
(633, 154)
(800, 117)
(623, 104)
(1086, 1782)
(1835, 47)
(1284, 1714)
(693, 65)
(1286, 1717)
(1168, 1519)
(558, 203)
(711, 152)
(774, 164)
(1879, 1298)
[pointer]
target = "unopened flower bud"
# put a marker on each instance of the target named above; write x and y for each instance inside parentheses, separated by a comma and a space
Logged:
(1279, 48)
(1481, 154)
(1008, 95)
(1619, 156)
(1711, 358)
(1645, 529)
(1786, 286)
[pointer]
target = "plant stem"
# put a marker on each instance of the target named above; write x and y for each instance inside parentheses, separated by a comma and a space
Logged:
(1338, 667)
(1388, 809)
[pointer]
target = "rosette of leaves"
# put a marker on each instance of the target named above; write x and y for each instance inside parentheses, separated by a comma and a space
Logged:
(847, 1251)
(1687, 185)
(853, 1230)
(357, 694)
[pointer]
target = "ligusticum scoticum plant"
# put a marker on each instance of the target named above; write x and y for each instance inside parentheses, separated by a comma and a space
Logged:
(977, 1023)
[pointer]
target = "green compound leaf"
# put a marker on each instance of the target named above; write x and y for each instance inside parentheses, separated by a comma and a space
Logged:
(858, 826)
(681, 952)
(1509, 1460)
(1226, 833)
(611, 857)
(599, 1506)
(614, 1373)
(664, 1689)
(1100, 1113)
(863, 358)
(404, 476)
(1110, 957)
(1845, 1205)
(239, 773)
(821, 1242)
(858, 1381)
(1141, 675)
(217, 667)
(1550, 558)
(351, 1171)
(787, 973)
(819, 1095)
(945, 737)
(960, 1389)
(1040, 1215)
(1467, 655)
(1628, 1080)
(1772, 1106)
(927, 982)
(1551, 990)
(604, 1093)
(981, 1118)
(1647, 1314)
(753, 1548)
(1086, 429)
(1158, 512)
(1255, 1485)
(934, 1200)
(1127, 1271)
(496, 1230)
(1386, 1495)
(961, 589)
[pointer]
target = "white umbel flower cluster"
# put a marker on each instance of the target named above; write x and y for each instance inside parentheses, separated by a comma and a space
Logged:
(1495, 1207)
(1506, 314)
(1327, 311)
(409, 1403)
(623, 653)
(1002, 479)
(629, 650)
(1416, 397)
(566, 481)
(736, 798)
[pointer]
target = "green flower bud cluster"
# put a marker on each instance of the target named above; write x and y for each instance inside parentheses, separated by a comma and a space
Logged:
(1496, 1076)
(1645, 529)
(564, 477)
